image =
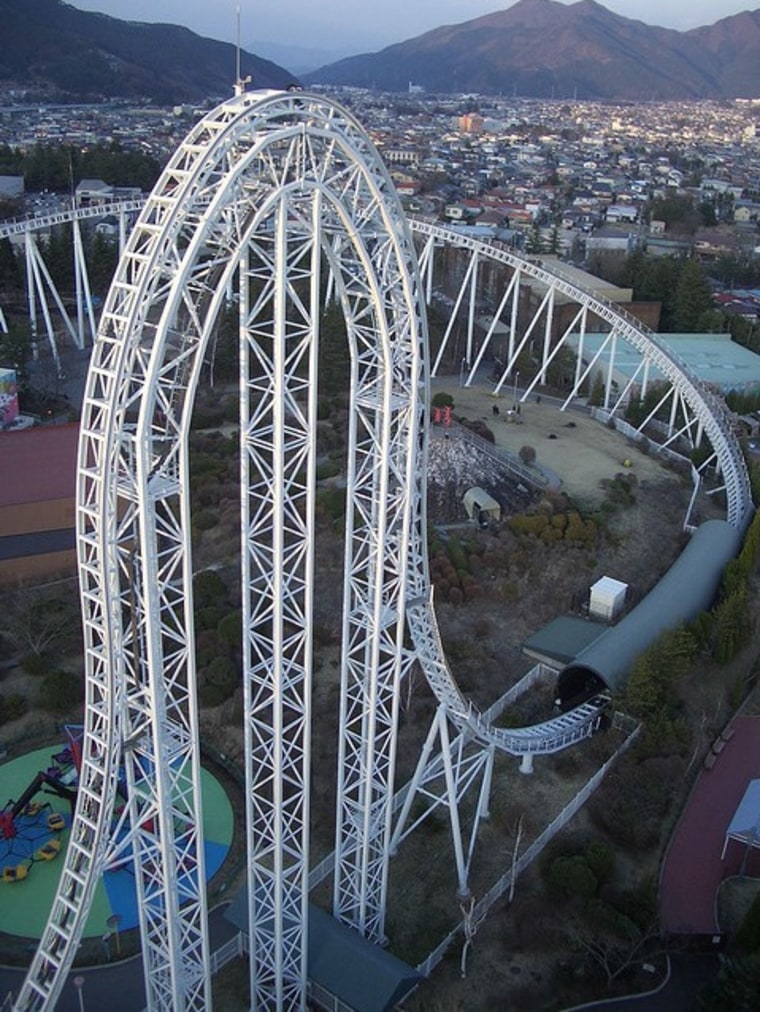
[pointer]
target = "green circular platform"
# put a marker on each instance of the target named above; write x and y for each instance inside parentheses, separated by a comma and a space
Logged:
(25, 904)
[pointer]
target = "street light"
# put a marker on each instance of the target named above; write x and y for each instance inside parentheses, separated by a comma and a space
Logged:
(113, 923)
(78, 983)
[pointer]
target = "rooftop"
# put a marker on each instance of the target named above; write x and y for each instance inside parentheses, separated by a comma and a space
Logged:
(713, 358)
(38, 464)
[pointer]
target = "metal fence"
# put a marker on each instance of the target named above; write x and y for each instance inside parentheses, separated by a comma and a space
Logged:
(232, 949)
(532, 477)
(529, 855)
(606, 417)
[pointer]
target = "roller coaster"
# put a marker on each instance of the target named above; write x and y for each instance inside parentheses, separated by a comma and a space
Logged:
(272, 200)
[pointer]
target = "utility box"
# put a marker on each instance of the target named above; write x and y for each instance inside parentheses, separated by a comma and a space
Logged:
(607, 598)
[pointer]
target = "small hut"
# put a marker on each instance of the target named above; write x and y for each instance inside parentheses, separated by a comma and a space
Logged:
(481, 507)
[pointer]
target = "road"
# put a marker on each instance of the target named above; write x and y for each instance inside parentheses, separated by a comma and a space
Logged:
(117, 986)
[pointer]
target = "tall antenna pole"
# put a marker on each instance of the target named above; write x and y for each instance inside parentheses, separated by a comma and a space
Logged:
(240, 82)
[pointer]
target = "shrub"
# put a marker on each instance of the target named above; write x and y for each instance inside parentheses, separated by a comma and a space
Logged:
(204, 520)
(219, 680)
(457, 555)
(328, 469)
(34, 663)
(748, 935)
(528, 524)
(212, 695)
(12, 707)
(332, 502)
(207, 618)
(222, 671)
(551, 534)
(207, 647)
(580, 530)
(601, 861)
(230, 629)
(736, 987)
(442, 400)
(733, 625)
(639, 902)
(61, 691)
(527, 455)
(208, 589)
(571, 876)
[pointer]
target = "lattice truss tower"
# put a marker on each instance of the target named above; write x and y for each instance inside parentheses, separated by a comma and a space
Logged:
(278, 202)
(272, 199)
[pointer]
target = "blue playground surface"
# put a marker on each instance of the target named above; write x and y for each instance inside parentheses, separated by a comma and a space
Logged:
(37, 789)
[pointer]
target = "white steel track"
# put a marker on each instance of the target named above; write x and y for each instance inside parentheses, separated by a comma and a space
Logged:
(701, 408)
(265, 190)
(696, 412)
(277, 198)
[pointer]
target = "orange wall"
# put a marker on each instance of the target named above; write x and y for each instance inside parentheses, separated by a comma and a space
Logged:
(37, 567)
(30, 517)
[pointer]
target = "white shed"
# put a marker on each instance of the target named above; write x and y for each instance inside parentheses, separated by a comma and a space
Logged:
(607, 598)
(481, 506)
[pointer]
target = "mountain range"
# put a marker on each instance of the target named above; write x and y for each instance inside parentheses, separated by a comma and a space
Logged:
(51, 51)
(542, 48)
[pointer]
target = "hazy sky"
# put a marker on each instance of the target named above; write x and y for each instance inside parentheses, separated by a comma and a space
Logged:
(368, 25)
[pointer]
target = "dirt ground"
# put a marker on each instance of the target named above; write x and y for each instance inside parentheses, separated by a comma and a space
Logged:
(571, 445)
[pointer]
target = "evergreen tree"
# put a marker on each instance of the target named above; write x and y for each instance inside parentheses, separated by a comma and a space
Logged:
(534, 243)
(11, 273)
(334, 362)
(16, 352)
(692, 299)
(736, 988)
(733, 625)
(596, 397)
(102, 256)
(653, 279)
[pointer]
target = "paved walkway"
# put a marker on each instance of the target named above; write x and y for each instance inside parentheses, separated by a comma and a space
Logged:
(116, 987)
(693, 869)
(688, 974)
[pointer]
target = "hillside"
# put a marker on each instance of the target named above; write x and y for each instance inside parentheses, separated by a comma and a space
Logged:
(542, 48)
(52, 51)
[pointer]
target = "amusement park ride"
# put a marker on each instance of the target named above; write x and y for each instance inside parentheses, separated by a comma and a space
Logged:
(277, 201)
(30, 829)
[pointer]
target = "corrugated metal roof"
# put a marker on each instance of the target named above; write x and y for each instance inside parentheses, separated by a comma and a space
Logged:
(562, 639)
(714, 358)
(363, 976)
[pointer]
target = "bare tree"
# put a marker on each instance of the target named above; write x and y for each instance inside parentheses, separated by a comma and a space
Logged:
(612, 941)
(515, 851)
(34, 622)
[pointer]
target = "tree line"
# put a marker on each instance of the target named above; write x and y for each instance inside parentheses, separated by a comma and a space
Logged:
(59, 168)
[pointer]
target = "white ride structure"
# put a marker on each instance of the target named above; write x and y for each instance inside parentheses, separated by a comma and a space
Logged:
(273, 199)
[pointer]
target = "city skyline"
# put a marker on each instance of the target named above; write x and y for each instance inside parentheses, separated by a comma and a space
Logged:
(336, 27)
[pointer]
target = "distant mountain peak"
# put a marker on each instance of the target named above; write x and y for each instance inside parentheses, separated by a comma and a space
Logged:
(543, 48)
(55, 51)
